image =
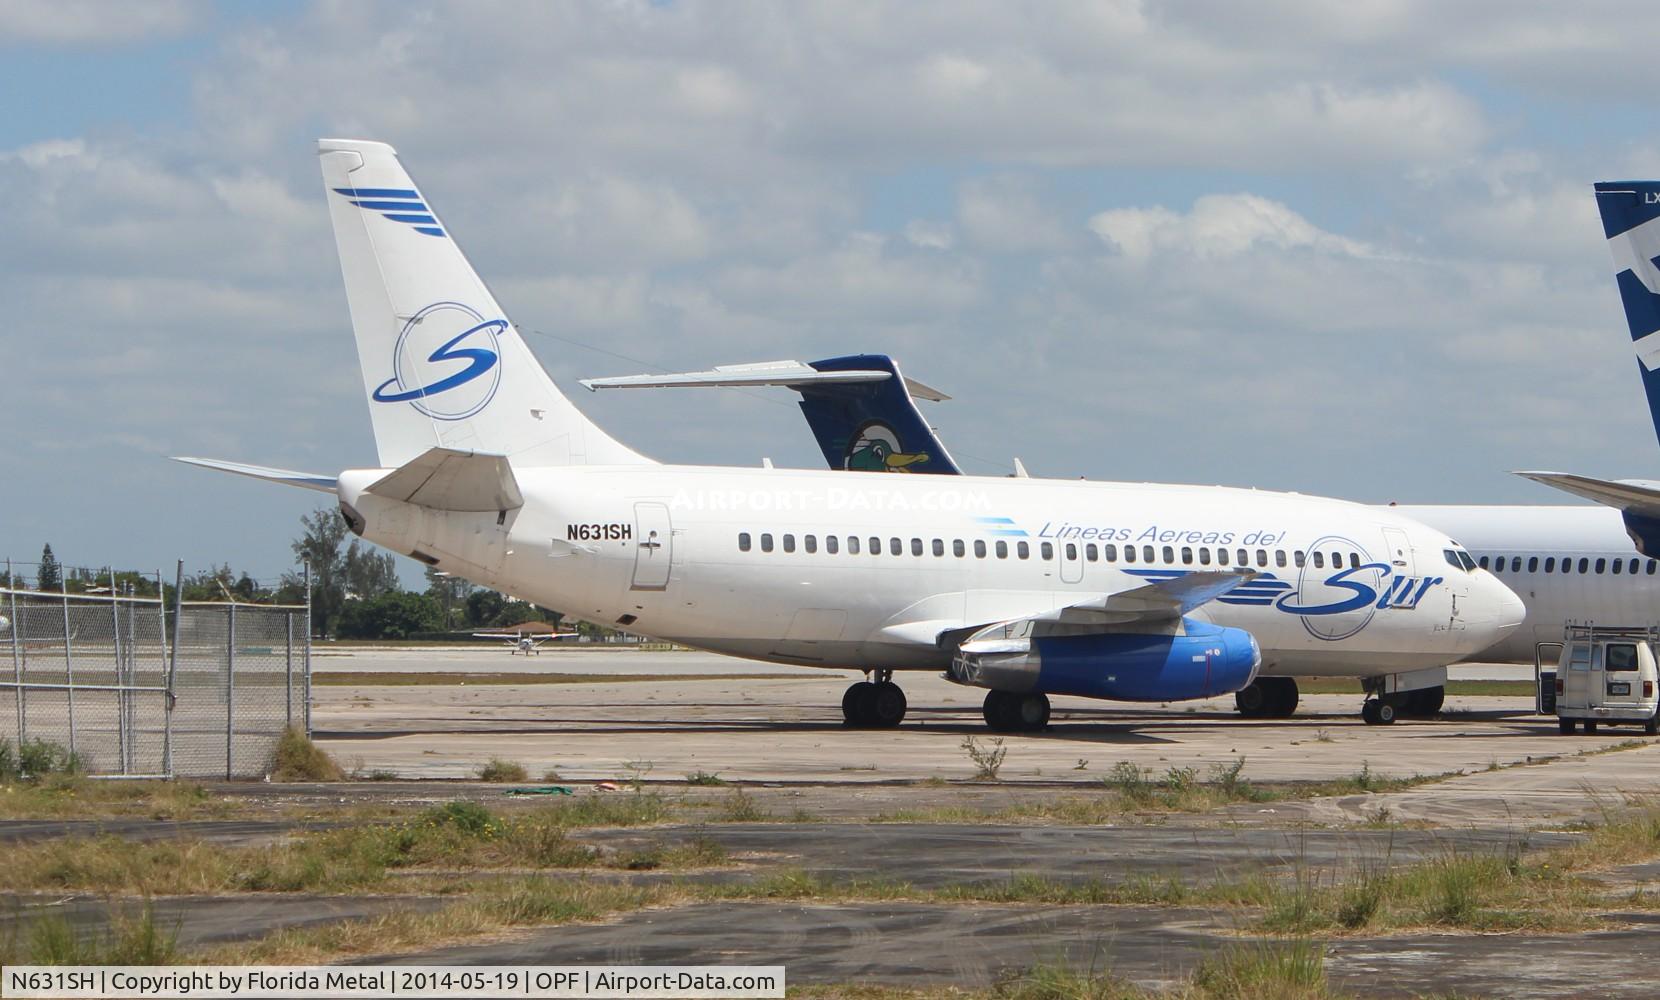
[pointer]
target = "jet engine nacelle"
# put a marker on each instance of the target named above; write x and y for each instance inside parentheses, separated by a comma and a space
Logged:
(1202, 662)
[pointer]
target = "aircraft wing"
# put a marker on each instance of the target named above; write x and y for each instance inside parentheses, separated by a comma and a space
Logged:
(1156, 607)
(1637, 500)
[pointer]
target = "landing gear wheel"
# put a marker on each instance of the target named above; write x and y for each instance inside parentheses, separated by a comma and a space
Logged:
(1283, 694)
(1252, 700)
(1425, 703)
(997, 711)
(1386, 713)
(859, 705)
(1377, 713)
(887, 705)
(1565, 726)
(1031, 712)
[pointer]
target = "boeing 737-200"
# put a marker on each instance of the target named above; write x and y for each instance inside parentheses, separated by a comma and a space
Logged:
(488, 472)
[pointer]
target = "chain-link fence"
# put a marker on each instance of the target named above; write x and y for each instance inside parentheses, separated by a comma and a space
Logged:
(134, 687)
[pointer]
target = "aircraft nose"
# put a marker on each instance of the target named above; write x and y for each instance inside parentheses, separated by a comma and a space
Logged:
(1511, 611)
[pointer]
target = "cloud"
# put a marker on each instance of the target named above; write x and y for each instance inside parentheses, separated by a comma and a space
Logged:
(1219, 225)
(92, 22)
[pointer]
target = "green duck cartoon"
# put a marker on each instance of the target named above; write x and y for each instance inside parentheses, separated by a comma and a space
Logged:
(875, 448)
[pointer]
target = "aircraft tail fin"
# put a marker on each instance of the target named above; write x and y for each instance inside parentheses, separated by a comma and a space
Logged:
(873, 426)
(441, 364)
(1631, 222)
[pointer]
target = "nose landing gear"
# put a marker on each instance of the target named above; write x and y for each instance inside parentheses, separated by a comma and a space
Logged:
(1009, 712)
(878, 704)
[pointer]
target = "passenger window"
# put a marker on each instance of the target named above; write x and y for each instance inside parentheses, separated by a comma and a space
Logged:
(1550, 564)
(1337, 560)
(1002, 550)
(810, 543)
(1652, 564)
(1319, 561)
(1633, 569)
(1091, 553)
(875, 546)
(743, 541)
(830, 543)
(1618, 566)
(1187, 555)
(1279, 558)
(1129, 553)
(1619, 656)
(939, 547)
(1584, 566)
(1204, 557)
(896, 547)
(1147, 553)
(1023, 550)
(916, 546)
(979, 548)
(1533, 564)
(1169, 556)
(852, 545)
(1515, 564)
(1482, 562)
(1221, 557)
(1262, 557)
(1354, 560)
(789, 543)
(1299, 558)
(1110, 553)
(1071, 551)
(1244, 558)
(766, 542)
(1601, 565)
(957, 548)
(1048, 550)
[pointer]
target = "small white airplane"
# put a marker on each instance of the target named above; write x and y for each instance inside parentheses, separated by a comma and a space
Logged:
(1024, 587)
(525, 642)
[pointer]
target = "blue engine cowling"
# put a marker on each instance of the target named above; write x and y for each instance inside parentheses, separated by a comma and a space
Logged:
(1206, 661)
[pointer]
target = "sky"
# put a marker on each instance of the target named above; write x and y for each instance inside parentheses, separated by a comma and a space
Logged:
(1340, 249)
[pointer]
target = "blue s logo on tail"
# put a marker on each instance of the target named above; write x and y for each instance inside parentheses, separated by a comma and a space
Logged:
(446, 350)
(1631, 222)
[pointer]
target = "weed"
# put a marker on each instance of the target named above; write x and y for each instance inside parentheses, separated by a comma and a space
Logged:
(468, 817)
(637, 772)
(299, 759)
(1082, 765)
(987, 760)
(125, 939)
(552, 776)
(1321, 736)
(740, 807)
(1281, 969)
(705, 778)
(1180, 780)
(1130, 782)
(499, 771)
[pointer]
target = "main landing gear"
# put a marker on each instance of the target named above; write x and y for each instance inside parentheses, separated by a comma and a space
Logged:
(878, 704)
(1010, 712)
(1267, 698)
(1419, 703)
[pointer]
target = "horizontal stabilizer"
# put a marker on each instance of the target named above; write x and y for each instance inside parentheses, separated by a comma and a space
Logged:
(304, 480)
(786, 374)
(1621, 494)
(447, 479)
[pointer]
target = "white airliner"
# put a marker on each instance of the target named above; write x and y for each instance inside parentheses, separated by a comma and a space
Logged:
(1027, 587)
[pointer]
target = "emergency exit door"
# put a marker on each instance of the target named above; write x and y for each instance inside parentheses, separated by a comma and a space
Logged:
(654, 541)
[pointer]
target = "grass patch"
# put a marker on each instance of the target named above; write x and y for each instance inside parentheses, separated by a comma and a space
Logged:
(701, 777)
(124, 939)
(741, 807)
(499, 771)
(68, 796)
(36, 760)
(299, 759)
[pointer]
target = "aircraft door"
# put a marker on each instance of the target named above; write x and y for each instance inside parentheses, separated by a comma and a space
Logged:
(1072, 562)
(1398, 552)
(654, 543)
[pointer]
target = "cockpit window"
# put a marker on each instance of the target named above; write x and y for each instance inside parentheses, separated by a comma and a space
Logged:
(1459, 559)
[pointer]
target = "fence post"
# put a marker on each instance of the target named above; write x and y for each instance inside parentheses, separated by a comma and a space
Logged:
(120, 695)
(68, 662)
(168, 698)
(230, 689)
(288, 669)
(17, 651)
(307, 650)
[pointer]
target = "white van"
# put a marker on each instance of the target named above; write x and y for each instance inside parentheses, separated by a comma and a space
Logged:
(1608, 675)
